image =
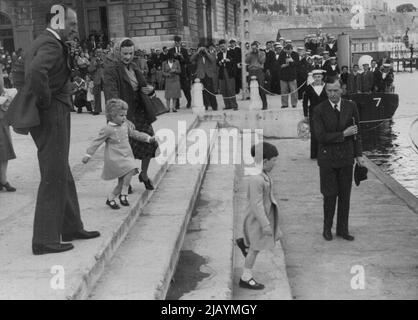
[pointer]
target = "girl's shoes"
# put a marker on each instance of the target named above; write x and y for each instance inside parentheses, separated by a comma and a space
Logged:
(251, 284)
(113, 204)
(7, 187)
(148, 184)
(124, 200)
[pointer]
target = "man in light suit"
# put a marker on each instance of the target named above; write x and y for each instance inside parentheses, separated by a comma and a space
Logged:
(335, 126)
(48, 73)
(205, 71)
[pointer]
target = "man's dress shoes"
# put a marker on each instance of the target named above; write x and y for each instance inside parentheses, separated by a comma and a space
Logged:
(80, 235)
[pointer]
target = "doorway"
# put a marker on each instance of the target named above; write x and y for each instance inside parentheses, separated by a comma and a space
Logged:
(6, 33)
(96, 17)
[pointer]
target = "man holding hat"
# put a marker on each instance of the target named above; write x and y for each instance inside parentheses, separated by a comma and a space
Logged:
(288, 61)
(255, 60)
(335, 126)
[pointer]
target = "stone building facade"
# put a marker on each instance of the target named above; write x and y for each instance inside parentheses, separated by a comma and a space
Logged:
(151, 23)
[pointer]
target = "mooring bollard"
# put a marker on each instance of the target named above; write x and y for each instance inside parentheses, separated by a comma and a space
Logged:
(197, 97)
(256, 104)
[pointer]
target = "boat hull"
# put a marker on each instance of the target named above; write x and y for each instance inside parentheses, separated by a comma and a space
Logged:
(375, 106)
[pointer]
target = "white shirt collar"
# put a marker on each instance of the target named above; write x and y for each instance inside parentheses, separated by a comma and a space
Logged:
(56, 35)
(338, 105)
(113, 124)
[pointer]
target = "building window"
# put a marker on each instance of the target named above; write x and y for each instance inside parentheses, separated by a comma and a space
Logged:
(185, 10)
(364, 47)
(226, 15)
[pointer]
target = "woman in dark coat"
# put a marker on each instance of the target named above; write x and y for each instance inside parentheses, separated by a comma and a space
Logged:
(124, 80)
(315, 93)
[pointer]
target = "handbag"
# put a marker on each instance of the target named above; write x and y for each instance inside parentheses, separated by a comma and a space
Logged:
(159, 106)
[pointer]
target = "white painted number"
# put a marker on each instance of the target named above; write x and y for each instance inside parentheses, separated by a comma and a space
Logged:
(58, 280)
(58, 21)
(358, 21)
(358, 281)
(379, 100)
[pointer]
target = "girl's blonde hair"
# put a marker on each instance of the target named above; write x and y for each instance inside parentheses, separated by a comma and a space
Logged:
(113, 107)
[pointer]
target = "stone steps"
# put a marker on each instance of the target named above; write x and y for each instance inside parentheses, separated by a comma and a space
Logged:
(144, 265)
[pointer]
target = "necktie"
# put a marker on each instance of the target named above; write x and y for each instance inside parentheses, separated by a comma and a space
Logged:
(337, 113)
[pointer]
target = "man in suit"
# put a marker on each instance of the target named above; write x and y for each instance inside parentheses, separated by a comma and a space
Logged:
(238, 60)
(367, 79)
(354, 81)
(57, 214)
(182, 56)
(332, 69)
(335, 127)
(275, 69)
(325, 60)
(255, 60)
(377, 76)
(332, 47)
(227, 72)
(205, 71)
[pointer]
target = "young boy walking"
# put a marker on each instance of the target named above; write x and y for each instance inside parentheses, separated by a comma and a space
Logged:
(261, 225)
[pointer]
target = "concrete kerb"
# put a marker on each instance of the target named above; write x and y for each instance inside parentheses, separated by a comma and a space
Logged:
(96, 268)
(162, 290)
(394, 186)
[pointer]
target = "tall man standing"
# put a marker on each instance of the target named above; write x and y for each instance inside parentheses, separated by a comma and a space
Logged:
(182, 56)
(289, 61)
(48, 75)
(335, 126)
(255, 60)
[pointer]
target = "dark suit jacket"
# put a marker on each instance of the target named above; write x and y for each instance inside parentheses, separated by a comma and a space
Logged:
(231, 66)
(334, 150)
(184, 62)
(117, 85)
(270, 59)
(332, 51)
(288, 73)
(367, 81)
(47, 78)
(332, 73)
(204, 68)
(353, 83)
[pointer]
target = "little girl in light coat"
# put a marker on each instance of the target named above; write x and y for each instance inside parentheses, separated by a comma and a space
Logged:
(119, 162)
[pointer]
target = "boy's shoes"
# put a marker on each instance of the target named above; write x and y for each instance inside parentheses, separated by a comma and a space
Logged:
(113, 204)
(124, 200)
(7, 187)
(251, 284)
(244, 249)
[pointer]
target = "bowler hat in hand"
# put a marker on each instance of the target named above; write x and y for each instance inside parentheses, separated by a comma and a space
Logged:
(360, 174)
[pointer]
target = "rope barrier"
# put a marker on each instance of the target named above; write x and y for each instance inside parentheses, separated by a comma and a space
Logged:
(284, 94)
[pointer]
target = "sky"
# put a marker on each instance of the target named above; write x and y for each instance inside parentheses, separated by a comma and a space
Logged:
(394, 3)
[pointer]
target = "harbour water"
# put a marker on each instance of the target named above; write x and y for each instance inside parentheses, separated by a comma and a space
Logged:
(389, 144)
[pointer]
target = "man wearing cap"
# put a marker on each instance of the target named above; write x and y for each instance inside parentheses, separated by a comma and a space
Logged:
(227, 70)
(288, 61)
(367, 79)
(335, 127)
(331, 47)
(255, 60)
(275, 69)
(181, 54)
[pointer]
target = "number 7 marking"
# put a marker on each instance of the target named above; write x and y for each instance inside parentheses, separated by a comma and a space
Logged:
(379, 100)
